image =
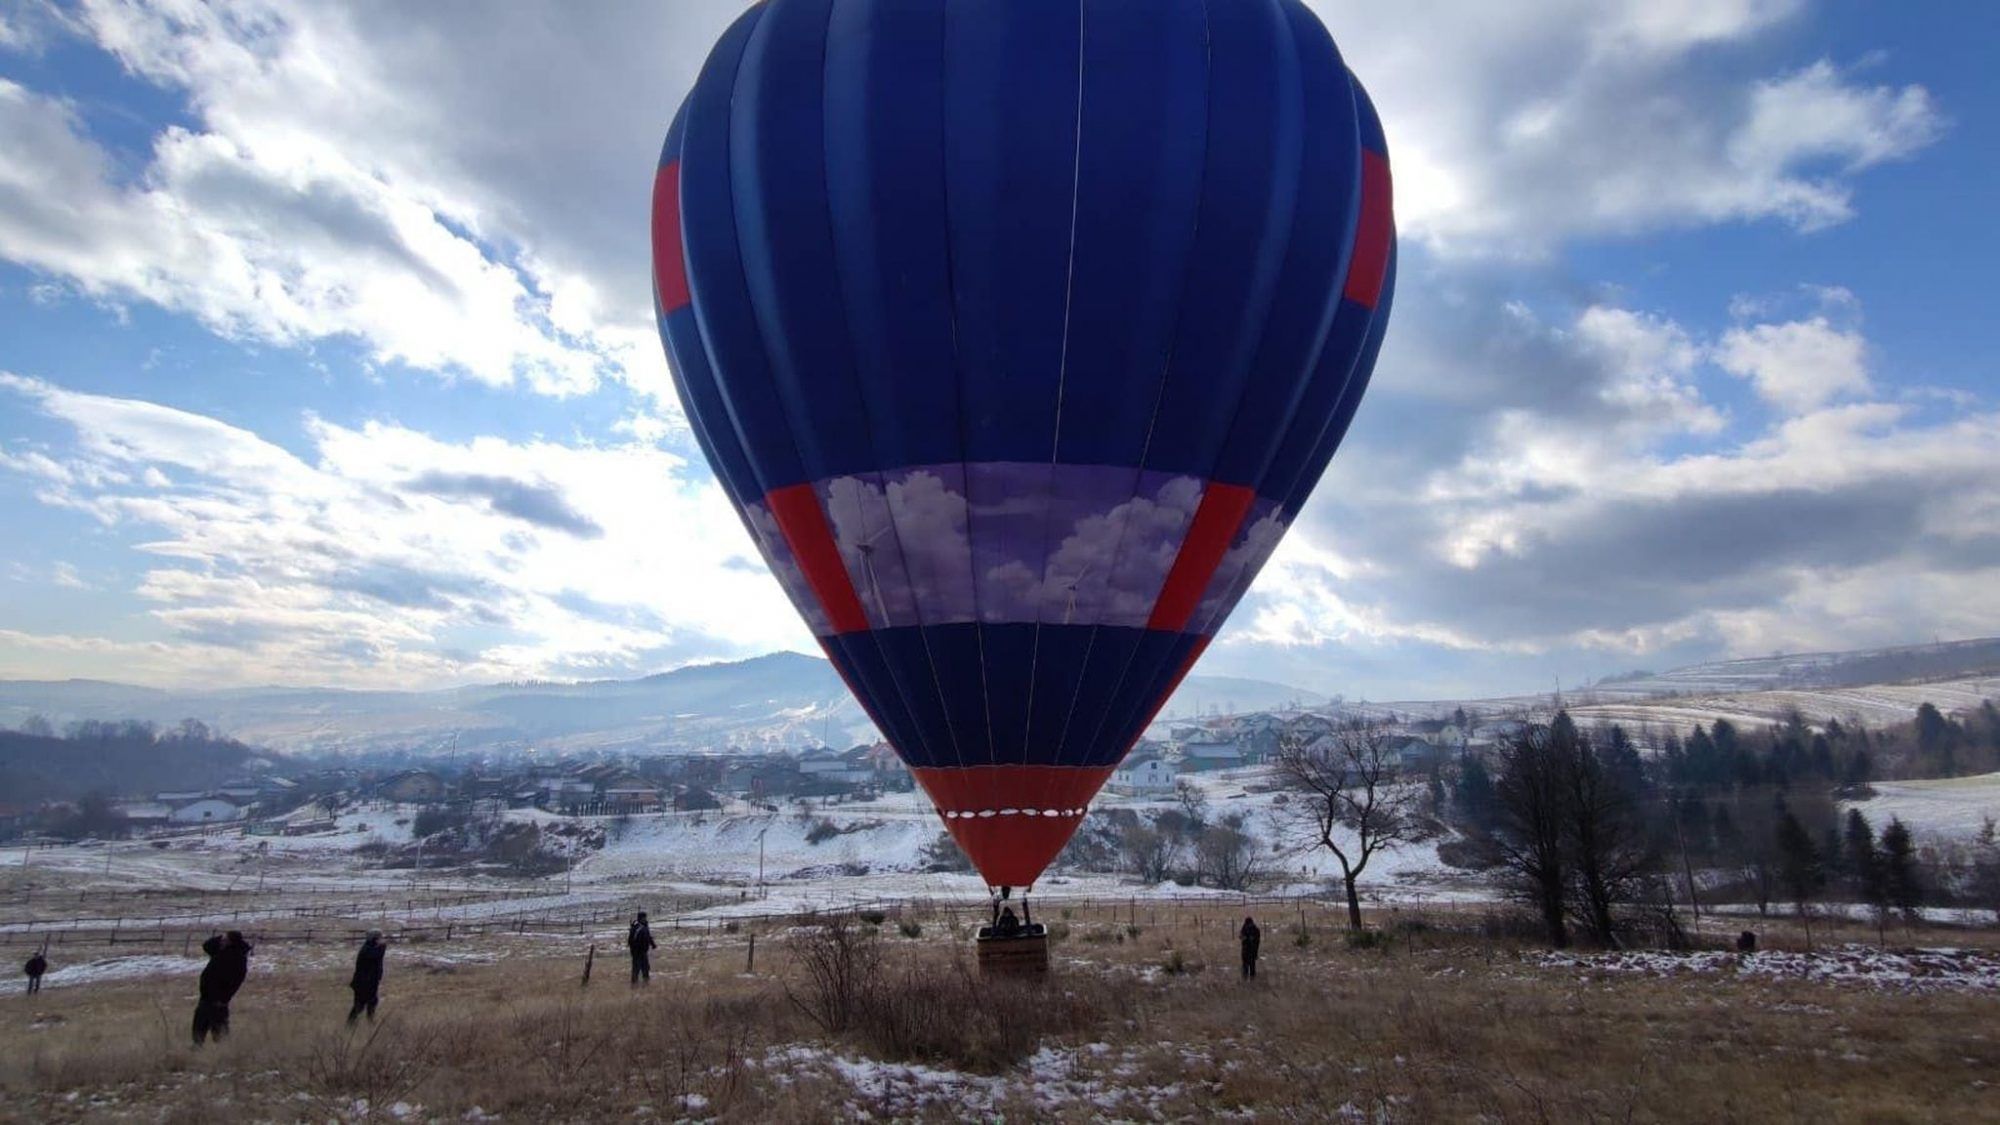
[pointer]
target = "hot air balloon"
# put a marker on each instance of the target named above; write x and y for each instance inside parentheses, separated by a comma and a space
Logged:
(1018, 332)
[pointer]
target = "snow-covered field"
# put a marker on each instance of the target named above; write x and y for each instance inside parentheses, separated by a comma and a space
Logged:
(1946, 809)
(1877, 705)
(1918, 970)
(739, 861)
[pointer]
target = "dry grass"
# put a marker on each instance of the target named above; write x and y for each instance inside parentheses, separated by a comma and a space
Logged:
(1440, 1024)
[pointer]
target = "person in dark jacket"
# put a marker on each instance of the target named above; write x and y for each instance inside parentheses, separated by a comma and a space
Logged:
(367, 982)
(228, 965)
(36, 966)
(1008, 925)
(1251, 936)
(639, 939)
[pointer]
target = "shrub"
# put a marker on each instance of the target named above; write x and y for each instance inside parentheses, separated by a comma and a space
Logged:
(821, 831)
(839, 962)
(430, 822)
(873, 917)
(944, 1014)
(911, 928)
(1368, 939)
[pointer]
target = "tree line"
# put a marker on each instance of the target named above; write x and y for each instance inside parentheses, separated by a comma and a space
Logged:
(1600, 839)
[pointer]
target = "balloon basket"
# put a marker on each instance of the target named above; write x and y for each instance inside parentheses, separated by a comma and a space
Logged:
(1021, 954)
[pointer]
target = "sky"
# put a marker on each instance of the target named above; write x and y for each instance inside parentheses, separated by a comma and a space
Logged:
(327, 353)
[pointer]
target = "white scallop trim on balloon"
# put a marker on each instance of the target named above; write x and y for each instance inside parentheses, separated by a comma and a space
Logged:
(987, 814)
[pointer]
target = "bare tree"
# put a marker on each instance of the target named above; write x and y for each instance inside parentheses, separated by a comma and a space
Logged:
(1607, 841)
(1530, 834)
(1348, 785)
(1226, 857)
(1148, 852)
(1570, 831)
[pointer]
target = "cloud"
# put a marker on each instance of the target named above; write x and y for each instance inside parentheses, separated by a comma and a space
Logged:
(363, 563)
(1516, 127)
(272, 255)
(1797, 366)
(1628, 516)
(536, 504)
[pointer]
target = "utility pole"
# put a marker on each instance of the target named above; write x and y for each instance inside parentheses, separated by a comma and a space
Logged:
(760, 860)
(1687, 868)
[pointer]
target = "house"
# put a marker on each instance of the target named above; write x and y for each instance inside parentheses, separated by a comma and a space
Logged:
(1416, 754)
(144, 814)
(1201, 757)
(1143, 777)
(1496, 731)
(622, 791)
(1451, 737)
(412, 785)
(693, 799)
(208, 810)
(1307, 727)
(764, 778)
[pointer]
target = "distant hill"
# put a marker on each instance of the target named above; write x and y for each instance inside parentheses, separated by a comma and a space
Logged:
(780, 699)
(1815, 670)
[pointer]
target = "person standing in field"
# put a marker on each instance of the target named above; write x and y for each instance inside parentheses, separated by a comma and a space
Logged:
(36, 966)
(639, 939)
(1251, 937)
(228, 965)
(367, 982)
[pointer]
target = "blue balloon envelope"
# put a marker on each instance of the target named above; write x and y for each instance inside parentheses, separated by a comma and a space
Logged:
(1019, 331)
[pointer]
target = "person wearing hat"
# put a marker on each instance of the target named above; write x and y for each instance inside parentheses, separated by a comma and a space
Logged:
(367, 982)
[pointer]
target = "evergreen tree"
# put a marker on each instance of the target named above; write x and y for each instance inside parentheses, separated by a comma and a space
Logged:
(1472, 795)
(1798, 862)
(1860, 771)
(1864, 870)
(1901, 885)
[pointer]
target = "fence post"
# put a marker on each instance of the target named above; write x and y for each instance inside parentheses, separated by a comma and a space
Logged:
(750, 966)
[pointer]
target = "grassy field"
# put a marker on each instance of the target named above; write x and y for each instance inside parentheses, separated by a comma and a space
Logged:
(1145, 1018)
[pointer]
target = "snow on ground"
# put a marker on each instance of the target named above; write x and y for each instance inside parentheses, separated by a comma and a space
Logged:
(1052, 1079)
(724, 847)
(1877, 705)
(1944, 809)
(372, 824)
(109, 969)
(1915, 970)
(822, 857)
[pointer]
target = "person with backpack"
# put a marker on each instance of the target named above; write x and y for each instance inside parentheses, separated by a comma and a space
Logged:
(639, 939)
(228, 966)
(367, 982)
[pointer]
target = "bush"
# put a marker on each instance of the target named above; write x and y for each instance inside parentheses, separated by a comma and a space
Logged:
(430, 822)
(911, 928)
(943, 1014)
(821, 831)
(840, 962)
(873, 917)
(1368, 939)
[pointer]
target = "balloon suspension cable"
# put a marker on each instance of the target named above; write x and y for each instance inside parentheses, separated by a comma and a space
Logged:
(1002, 895)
